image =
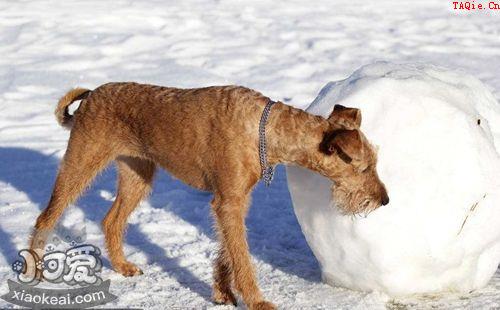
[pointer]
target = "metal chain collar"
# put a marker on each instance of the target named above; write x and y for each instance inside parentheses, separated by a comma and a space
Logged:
(267, 172)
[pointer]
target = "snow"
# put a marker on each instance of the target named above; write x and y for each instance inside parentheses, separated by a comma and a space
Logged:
(287, 50)
(437, 157)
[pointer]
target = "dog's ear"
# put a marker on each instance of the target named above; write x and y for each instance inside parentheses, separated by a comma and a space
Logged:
(346, 143)
(343, 117)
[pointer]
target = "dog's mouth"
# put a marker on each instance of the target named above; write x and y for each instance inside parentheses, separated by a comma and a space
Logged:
(367, 206)
(362, 209)
(353, 203)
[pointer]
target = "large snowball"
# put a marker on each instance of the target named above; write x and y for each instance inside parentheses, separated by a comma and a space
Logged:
(435, 130)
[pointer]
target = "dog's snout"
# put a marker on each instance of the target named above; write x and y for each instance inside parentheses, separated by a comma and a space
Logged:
(385, 199)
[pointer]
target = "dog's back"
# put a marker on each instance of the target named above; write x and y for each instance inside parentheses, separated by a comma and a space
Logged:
(189, 132)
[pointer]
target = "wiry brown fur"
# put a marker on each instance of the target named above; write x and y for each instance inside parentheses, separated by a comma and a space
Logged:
(208, 138)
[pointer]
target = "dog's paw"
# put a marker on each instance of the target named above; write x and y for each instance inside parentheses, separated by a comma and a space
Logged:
(263, 305)
(128, 269)
(224, 297)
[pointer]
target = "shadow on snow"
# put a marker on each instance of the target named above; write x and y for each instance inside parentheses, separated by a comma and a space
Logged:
(274, 234)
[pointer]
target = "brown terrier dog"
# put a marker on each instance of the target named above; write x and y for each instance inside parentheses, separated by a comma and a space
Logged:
(208, 138)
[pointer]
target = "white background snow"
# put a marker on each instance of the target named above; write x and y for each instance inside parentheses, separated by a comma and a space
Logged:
(288, 50)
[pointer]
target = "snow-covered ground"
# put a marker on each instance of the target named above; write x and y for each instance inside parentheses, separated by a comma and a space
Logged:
(288, 50)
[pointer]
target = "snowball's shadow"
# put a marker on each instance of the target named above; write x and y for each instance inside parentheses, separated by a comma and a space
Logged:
(34, 173)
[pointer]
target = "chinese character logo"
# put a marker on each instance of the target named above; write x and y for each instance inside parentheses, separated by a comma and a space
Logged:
(78, 265)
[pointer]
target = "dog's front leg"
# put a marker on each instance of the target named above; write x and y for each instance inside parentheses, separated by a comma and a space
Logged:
(230, 217)
(223, 279)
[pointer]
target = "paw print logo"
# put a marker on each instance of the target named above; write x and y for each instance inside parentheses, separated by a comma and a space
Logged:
(40, 265)
(18, 266)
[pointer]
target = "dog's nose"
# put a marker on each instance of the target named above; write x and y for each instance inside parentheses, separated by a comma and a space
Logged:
(385, 199)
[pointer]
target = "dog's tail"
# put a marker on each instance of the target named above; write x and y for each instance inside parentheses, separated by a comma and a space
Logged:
(62, 115)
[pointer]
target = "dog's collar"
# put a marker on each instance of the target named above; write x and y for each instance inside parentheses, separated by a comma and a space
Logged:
(267, 171)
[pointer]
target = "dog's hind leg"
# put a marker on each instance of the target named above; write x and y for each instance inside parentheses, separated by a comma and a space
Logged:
(135, 177)
(83, 160)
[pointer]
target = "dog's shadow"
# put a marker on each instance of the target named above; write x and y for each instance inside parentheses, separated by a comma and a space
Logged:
(274, 234)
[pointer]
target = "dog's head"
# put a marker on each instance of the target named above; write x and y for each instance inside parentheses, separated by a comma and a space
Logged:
(351, 163)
